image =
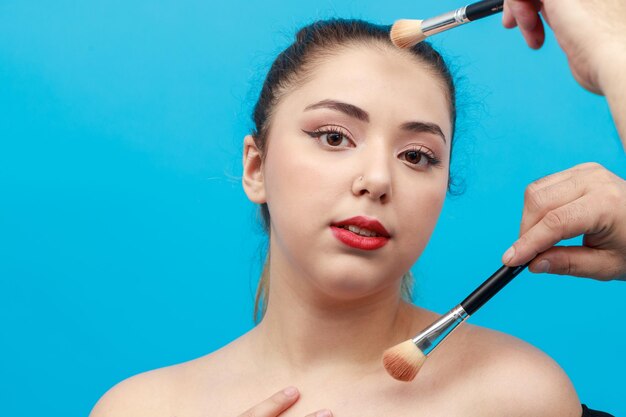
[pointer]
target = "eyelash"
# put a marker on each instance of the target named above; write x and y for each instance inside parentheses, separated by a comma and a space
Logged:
(421, 150)
(326, 131)
(425, 153)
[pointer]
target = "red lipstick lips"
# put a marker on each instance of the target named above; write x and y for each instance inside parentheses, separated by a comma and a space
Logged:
(355, 240)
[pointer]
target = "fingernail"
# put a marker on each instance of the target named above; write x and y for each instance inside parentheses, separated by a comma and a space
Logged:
(324, 413)
(290, 391)
(542, 266)
(508, 255)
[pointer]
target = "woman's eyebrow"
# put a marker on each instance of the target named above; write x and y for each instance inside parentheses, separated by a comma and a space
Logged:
(349, 109)
(419, 127)
(360, 114)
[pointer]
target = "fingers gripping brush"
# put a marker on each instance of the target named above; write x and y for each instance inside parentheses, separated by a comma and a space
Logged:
(407, 32)
(404, 360)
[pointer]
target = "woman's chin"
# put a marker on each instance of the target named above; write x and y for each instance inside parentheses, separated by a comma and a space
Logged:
(353, 287)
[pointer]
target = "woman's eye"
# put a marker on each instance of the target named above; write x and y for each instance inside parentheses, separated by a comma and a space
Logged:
(334, 139)
(419, 158)
(331, 138)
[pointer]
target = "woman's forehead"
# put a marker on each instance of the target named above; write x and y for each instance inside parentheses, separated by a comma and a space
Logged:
(386, 83)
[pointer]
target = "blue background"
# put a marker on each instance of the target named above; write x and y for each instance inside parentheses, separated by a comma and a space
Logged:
(127, 243)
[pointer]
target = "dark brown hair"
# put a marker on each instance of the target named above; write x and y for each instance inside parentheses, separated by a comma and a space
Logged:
(313, 43)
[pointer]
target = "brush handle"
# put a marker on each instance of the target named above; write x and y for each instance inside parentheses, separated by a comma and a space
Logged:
(483, 9)
(460, 16)
(490, 287)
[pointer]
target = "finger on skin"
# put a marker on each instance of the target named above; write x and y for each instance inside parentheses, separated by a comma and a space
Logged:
(321, 413)
(275, 405)
(539, 200)
(581, 261)
(564, 222)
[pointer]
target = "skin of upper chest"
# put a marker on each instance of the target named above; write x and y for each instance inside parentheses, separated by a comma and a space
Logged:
(376, 396)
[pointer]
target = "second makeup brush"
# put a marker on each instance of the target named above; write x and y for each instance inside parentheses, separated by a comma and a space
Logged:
(404, 360)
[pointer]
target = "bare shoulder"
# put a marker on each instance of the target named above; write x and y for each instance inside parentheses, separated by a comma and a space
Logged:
(144, 394)
(513, 377)
(165, 391)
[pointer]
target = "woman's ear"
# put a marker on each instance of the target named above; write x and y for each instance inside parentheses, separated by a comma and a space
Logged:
(252, 179)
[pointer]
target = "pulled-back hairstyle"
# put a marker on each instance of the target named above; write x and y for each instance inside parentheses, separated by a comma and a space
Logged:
(294, 65)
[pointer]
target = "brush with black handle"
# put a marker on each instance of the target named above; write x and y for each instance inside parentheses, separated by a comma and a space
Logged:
(404, 360)
(407, 32)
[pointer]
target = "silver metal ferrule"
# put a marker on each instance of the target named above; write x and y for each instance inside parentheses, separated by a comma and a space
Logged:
(434, 334)
(444, 22)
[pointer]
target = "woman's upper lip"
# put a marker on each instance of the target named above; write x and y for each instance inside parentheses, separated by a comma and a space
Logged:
(363, 222)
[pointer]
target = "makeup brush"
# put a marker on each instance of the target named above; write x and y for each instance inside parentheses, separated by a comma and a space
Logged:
(407, 32)
(404, 360)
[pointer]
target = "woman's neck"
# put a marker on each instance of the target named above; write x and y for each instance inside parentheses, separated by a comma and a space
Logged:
(305, 330)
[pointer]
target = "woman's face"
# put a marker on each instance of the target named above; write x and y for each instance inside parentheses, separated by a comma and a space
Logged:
(368, 134)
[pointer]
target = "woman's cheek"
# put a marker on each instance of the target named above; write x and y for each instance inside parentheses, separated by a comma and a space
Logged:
(425, 210)
(299, 178)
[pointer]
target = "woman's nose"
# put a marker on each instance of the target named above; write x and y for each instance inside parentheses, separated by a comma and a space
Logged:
(374, 178)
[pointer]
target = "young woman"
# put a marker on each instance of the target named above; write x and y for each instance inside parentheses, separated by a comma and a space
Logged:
(350, 163)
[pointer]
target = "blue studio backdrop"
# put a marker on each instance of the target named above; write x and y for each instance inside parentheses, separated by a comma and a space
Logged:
(127, 243)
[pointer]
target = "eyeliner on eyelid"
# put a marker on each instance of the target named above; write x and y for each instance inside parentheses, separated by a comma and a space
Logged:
(422, 151)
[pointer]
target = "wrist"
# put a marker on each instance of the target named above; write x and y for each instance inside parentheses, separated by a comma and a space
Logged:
(611, 80)
(612, 83)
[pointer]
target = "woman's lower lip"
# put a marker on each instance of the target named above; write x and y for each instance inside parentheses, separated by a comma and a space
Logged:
(358, 241)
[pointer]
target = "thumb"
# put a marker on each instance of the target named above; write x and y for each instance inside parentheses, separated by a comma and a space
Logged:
(580, 261)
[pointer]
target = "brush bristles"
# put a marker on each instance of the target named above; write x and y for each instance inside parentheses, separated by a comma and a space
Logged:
(406, 33)
(403, 361)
